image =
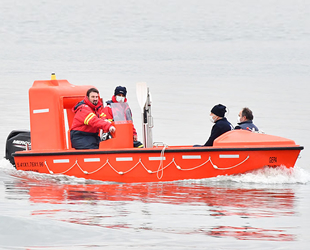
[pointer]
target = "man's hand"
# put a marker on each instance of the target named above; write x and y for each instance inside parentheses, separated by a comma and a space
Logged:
(112, 129)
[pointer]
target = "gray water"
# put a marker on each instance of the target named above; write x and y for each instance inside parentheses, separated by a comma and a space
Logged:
(193, 55)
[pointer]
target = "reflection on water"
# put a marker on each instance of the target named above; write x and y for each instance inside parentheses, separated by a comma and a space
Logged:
(250, 233)
(205, 208)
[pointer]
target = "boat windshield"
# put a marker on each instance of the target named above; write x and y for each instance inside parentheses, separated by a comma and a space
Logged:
(121, 112)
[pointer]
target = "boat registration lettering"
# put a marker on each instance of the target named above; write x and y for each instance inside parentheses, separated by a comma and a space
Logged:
(30, 164)
(273, 159)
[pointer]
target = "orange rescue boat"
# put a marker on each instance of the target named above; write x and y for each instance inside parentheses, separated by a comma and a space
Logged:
(49, 150)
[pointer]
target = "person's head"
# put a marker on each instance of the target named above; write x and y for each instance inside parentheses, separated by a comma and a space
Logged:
(217, 112)
(245, 115)
(120, 93)
(93, 95)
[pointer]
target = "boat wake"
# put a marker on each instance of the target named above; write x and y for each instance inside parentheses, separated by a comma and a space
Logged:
(267, 175)
(270, 175)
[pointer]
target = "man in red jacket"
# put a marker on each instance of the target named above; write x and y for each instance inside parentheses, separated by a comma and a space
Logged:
(88, 120)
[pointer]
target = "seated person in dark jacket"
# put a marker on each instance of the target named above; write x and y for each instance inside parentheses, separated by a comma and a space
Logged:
(245, 120)
(221, 124)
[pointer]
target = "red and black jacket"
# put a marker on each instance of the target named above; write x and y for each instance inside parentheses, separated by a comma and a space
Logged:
(87, 122)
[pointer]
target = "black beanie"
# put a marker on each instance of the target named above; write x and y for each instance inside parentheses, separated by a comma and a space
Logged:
(219, 110)
(120, 90)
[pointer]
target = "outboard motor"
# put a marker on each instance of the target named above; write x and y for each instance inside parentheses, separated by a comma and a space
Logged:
(18, 140)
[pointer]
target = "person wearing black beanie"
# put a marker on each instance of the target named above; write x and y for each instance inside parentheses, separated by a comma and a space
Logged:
(120, 90)
(221, 125)
(119, 96)
(219, 110)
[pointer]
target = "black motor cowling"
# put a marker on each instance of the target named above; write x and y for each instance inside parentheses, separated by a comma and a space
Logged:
(18, 140)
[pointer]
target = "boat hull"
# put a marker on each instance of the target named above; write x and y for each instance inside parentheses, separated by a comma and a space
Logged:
(50, 150)
(156, 164)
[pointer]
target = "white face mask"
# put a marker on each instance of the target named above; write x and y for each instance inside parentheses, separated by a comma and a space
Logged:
(120, 98)
(212, 119)
(238, 119)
